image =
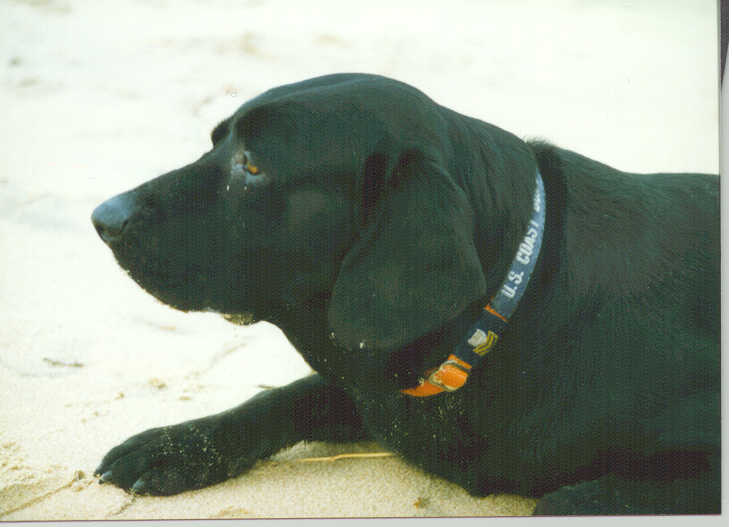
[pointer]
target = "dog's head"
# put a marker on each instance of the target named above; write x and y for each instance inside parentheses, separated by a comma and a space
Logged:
(336, 187)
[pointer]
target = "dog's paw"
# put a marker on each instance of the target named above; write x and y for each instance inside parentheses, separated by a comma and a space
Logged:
(171, 459)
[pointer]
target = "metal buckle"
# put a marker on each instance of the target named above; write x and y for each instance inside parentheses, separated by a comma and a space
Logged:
(434, 380)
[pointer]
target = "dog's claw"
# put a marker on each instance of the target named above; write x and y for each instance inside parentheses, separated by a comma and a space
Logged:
(105, 477)
(139, 487)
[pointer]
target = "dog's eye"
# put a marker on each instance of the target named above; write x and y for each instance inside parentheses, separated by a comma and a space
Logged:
(251, 168)
(241, 165)
(242, 161)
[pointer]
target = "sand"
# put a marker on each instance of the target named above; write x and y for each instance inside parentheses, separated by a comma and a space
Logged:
(96, 99)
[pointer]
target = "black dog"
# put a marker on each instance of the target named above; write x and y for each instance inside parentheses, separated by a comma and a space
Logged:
(374, 226)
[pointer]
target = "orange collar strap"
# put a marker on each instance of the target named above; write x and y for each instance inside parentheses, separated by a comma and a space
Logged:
(453, 373)
(450, 376)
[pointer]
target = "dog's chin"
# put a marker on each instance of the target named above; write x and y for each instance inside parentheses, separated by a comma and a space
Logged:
(178, 294)
(188, 293)
(240, 319)
(174, 297)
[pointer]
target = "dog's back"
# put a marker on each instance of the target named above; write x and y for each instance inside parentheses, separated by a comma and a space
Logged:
(640, 271)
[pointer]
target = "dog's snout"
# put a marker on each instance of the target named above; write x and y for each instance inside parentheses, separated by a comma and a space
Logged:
(112, 217)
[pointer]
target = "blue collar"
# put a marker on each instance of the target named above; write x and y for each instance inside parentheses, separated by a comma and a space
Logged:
(483, 335)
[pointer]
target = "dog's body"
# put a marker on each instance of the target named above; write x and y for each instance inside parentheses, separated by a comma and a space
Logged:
(372, 225)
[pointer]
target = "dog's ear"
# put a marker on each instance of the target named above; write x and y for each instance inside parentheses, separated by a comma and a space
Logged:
(414, 266)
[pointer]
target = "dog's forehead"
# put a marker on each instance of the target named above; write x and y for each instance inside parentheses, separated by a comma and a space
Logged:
(331, 97)
(329, 125)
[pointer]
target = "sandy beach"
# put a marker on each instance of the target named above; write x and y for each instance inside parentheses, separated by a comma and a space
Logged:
(98, 97)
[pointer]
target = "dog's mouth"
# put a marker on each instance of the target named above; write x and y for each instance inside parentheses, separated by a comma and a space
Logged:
(171, 284)
(180, 283)
(170, 291)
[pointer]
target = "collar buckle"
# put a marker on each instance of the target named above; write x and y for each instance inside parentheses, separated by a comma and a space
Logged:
(450, 376)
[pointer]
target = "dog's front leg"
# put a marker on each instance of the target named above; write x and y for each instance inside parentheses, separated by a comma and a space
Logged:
(201, 452)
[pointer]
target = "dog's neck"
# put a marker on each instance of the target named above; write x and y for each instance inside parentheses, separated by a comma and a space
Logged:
(306, 325)
(483, 335)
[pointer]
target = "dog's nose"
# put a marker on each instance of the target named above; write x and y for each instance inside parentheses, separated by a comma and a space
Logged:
(111, 217)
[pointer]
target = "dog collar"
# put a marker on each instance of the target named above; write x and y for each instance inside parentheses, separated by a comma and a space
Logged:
(483, 335)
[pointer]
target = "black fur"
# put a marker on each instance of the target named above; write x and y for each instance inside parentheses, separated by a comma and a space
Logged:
(376, 226)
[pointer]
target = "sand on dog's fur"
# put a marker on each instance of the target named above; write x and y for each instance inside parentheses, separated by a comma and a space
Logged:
(96, 101)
